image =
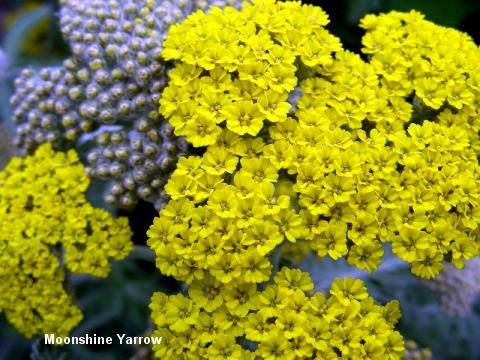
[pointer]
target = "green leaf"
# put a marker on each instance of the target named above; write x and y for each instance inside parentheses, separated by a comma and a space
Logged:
(41, 352)
(443, 12)
(15, 37)
(355, 10)
(323, 271)
(12, 344)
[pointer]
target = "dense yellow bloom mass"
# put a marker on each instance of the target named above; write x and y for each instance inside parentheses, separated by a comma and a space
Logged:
(412, 54)
(365, 158)
(268, 176)
(306, 144)
(282, 321)
(439, 182)
(237, 68)
(47, 225)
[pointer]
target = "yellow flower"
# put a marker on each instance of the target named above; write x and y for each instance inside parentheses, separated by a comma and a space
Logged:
(259, 169)
(271, 202)
(227, 269)
(223, 202)
(290, 224)
(256, 267)
(225, 347)
(369, 154)
(179, 186)
(282, 320)
(244, 118)
(428, 264)
(366, 256)
(202, 130)
(293, 279)
(264, 235)
(203, 222)
(274, 105)
(172, 98)
(179, 212)
(217, 161)
(214, 103)
(348, 290)
(409, 242)
(180, 313)
(206, 294)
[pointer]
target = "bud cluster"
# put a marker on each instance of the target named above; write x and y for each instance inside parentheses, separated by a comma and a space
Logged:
(138, 162)
(114, 77)
(414, 352)
(458, 289)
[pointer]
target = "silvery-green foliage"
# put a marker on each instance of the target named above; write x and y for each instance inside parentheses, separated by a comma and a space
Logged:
(458, 289)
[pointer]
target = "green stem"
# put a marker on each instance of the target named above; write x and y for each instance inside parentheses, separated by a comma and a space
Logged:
(275, 258)
(142, 252)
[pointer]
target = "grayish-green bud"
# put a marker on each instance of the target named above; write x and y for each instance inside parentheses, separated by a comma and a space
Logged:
(458, 289)
(114, 78)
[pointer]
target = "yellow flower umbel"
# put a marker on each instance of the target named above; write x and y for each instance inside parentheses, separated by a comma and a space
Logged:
(235, 71)
(236, 68)
(436, 192)
(283, 321)
(413, 56)
(47, 225)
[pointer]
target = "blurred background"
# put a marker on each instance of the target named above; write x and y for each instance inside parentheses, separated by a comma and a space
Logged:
(441, 317)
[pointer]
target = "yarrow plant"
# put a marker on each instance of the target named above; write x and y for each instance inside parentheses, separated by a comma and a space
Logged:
(304, 142)
(259, 139)
(236, 214)
(418, 62)
(228, 214)
(47, 230)
(237, 68)
(414, 56)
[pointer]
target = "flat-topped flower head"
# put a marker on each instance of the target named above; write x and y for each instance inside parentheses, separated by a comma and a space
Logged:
(283, 321)
(47, 228)
(412, 54)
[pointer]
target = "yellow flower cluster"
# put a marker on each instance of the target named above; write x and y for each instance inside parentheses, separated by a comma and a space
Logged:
(358, 163)
(363, 178)
(237, 67)
(414, 352)
(415, 58)
(417, 51)
(47, 224)
(226, 230)
(283, 321)
(437, 199)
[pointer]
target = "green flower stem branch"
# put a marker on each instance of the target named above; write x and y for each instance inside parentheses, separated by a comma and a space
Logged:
(324, 270)
(276, 258)
(142, 252)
